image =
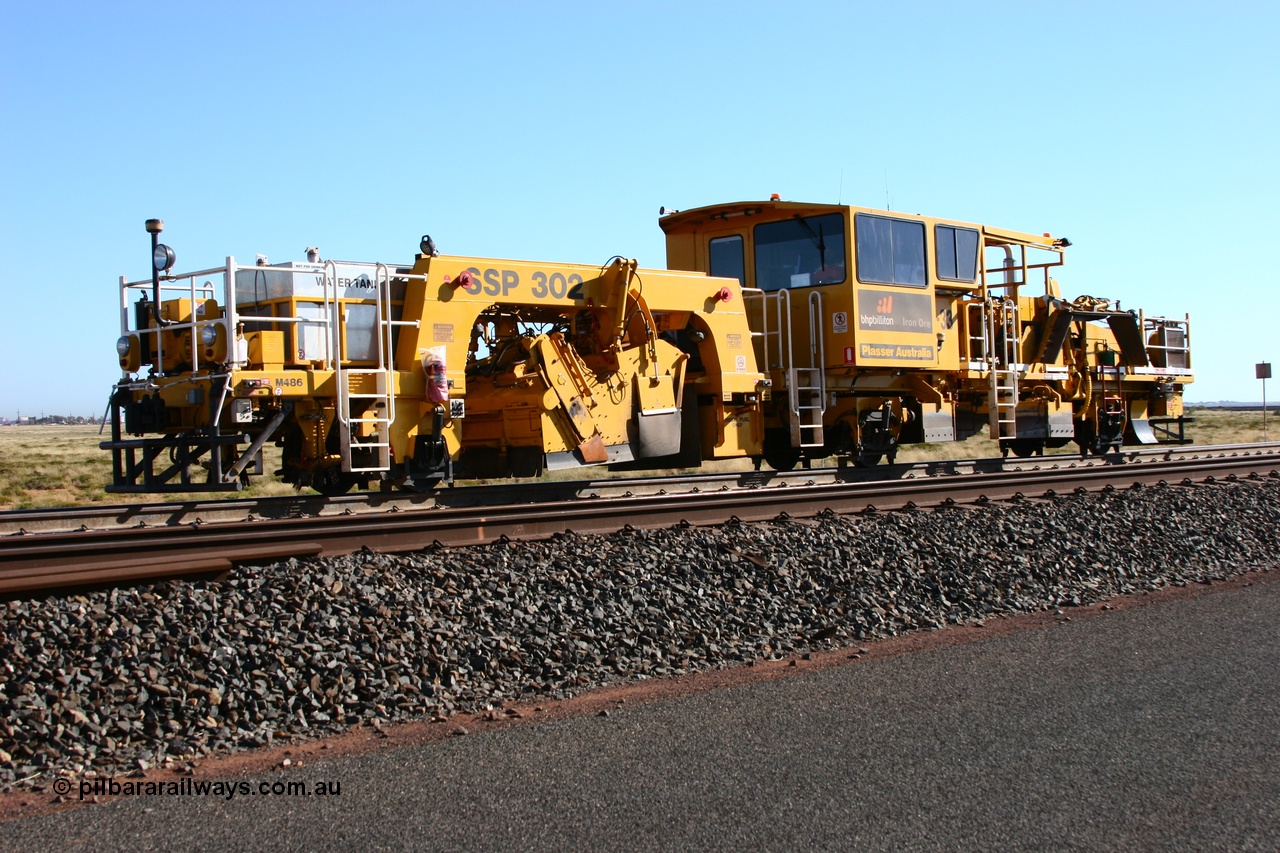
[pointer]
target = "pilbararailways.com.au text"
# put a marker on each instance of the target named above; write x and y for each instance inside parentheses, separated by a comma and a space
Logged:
(107, 787)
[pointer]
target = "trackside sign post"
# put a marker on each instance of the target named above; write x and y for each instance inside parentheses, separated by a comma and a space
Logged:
(1263, 371)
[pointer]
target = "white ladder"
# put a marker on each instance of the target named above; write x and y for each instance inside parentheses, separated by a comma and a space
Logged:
(379, 409)
(1004, 360)
(804, 376)
(806, 386)
(807, 383)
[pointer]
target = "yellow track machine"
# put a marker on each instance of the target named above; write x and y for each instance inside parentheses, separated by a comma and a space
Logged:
(781, 331)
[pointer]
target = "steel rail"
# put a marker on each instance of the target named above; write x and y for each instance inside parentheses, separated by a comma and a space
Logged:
(99, 516)
(49, 561)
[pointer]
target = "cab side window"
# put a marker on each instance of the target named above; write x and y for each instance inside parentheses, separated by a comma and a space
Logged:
(800, 252)
(957, 253)
(890, 251)
(727, 258)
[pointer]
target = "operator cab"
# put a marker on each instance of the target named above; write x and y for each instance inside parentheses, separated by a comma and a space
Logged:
(897, 271)
(882, 289)
(774, 245)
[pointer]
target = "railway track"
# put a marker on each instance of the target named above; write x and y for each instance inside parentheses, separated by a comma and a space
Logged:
(177, 513)
(80, 546)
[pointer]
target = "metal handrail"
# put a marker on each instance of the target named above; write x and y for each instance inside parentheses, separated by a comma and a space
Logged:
(334, 329)
(192, 290)
(819, 351)
(1158, 324)
(749, 295)
(786, 354)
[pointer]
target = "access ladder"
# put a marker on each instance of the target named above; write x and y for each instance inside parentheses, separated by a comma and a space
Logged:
(802, 373)
(367, 427)
(1004, 366)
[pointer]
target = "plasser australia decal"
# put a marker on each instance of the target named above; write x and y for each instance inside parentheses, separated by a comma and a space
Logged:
(899, 352)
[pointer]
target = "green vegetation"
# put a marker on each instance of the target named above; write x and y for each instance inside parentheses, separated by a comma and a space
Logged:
(60, 465)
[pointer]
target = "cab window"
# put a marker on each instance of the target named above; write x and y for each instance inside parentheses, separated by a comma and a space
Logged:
(799, 252)
(726, 258)
(890, 251)
(957, 253)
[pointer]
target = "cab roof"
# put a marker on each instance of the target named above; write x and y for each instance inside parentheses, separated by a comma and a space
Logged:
(689, 220)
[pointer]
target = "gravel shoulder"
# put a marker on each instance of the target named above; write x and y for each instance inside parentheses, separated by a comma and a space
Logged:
(168, 675)
(1146, 726)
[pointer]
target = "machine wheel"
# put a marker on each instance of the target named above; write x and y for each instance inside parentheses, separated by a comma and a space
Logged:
(878, 436)
(1025, 448)
(332, 481)
(1086, 437)
(782, 459)
(778, 451)
(525, 462)
(1091, 442)
(418, 487)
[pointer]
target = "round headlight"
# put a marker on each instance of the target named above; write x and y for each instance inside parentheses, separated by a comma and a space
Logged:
(163, 257)
(208, 335)
(122, 345)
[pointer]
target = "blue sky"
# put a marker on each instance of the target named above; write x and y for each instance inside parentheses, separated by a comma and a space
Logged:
(1146, 133)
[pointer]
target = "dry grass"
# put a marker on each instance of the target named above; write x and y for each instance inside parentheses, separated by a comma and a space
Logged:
(1210, 426)
(45, 466)
(1218, 426)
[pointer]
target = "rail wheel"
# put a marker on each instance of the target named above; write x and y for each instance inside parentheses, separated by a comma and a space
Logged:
(1023, 448)
(1085, 437)
(782, 459)
(419, 487)
(1092, 442)
(778, 452)
(878, 431)
(525, 462)
(331, 481)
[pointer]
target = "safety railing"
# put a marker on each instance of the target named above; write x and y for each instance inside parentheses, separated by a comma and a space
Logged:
(176, 287)
(769, 315)
(763, 337)
(1168, 342)
(231, 320)
(1017, 272)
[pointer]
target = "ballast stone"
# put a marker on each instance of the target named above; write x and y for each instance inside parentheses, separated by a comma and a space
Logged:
(122, 680)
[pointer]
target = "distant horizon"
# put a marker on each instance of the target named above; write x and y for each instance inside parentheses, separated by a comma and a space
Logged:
(6, 420)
